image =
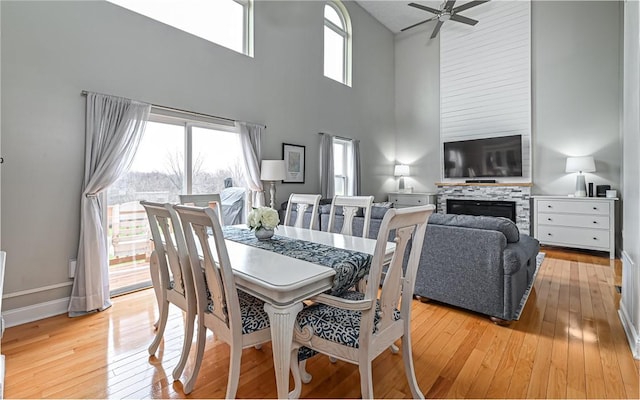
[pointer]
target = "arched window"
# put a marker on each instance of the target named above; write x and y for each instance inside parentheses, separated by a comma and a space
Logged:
(337, 42)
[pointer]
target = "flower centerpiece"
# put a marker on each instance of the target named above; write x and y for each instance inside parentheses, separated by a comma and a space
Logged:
(263, 220)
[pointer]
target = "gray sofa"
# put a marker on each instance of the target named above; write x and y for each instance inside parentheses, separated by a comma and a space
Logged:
(482, 264)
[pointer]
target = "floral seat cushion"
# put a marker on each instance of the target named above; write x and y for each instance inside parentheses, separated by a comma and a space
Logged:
(254, 318)
(336, 324)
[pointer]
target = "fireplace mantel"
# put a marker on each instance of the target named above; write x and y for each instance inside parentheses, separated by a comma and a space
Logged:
(523, 184)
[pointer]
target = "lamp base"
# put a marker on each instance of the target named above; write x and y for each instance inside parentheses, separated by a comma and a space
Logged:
(581, 187)
(272, 193)
(401, 184)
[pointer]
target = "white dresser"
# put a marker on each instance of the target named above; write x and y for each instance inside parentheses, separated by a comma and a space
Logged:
(401, 200)
(580, 222)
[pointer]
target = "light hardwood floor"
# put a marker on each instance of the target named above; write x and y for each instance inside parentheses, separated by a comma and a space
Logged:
(569, 343)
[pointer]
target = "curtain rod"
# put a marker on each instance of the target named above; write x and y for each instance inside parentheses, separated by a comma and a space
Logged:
(85, 92)
(336, 136)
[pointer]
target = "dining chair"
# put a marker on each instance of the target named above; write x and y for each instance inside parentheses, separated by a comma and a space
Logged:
(212, 200)
(302, 202)
(358, 326)
(350, 206)
(235, 317)
(171, 275)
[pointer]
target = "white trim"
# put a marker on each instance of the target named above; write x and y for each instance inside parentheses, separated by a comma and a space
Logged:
(627, 322)
(37, 290)
(35, 312)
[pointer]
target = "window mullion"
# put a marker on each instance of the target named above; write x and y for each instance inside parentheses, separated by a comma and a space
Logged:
(188, 158)
(335, 28)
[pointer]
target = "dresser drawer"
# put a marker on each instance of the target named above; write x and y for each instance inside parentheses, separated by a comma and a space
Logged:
(579, 237)
(409, 200)
(574, 220)
(574, 207)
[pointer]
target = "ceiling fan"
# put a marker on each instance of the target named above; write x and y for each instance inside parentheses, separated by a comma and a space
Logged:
(445, 13)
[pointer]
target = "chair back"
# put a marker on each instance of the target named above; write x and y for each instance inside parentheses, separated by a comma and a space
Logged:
(350, 206)
(212, 200)
(302, 202)
(409, 225)
(205, 239)
(170, 247)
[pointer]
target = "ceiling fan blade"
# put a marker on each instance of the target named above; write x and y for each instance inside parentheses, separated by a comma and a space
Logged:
(449, 5)
(464, 20)
(436, 29)
(468, 5)
(419, 23)
(425, 8)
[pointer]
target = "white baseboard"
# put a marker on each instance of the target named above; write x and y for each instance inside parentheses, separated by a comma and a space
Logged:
(630, 330)
(633, 336)
(19, 316)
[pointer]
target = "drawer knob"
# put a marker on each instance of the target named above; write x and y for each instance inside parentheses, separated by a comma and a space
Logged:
(595, 208)
(548, 205)
(548, 219)
(595, 222)
(595, 238)
(419, 201)
(548, 234)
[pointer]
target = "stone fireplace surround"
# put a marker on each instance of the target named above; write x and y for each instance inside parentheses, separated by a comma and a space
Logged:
(520, 193)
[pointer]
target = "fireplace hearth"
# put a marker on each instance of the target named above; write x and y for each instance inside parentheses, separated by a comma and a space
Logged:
(491, 208)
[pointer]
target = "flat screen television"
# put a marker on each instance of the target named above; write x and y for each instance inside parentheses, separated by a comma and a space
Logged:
(490, 157)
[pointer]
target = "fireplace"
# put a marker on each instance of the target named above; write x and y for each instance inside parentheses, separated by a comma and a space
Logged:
(493, 208)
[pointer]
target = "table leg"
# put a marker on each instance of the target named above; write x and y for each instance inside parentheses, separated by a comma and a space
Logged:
(282, 319)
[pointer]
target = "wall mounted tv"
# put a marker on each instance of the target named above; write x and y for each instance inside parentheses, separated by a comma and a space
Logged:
(490, 157)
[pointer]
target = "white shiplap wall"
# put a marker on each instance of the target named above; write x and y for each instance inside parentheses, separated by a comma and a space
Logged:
(485, 76)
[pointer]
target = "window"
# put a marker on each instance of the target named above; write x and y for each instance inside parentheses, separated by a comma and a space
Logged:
(337, 42)
(176, 156)
(228, 23)
(343, 167)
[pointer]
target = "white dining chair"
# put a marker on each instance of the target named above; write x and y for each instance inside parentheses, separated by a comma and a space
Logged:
(234, 316)
(302, 202)
(357, 327)
(350, 206)
(212, 200)
(171, 276)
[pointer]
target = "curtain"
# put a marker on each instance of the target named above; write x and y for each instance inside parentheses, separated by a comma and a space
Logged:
(356, 184)
(327, 184)
(114, 128)
(251, 142)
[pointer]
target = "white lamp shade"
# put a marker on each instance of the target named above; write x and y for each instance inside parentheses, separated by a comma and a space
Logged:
(401, 170)
(272, 170)
(580, 164)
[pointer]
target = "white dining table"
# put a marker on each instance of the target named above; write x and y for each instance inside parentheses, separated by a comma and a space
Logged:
(282, 282)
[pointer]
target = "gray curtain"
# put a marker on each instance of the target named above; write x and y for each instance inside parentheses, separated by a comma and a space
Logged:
(114, 128)
(356, 184)
(327, 183)
(251, 141)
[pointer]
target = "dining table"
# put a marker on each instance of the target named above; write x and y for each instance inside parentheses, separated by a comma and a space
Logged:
(278, 272)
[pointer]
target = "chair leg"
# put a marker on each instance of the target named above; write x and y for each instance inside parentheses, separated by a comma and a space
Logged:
(366, 380)
(305, 376)
(234, 371)
(186, 344)
(156, 283)
(408, 366)
(162, 323)
(201, 341)
(394, 349)
(332, 360)
(295, 372)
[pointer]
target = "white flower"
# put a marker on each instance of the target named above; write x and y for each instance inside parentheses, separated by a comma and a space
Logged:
(263, 217)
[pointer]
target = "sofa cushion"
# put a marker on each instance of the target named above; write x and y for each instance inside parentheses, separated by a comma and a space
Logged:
(503, 225)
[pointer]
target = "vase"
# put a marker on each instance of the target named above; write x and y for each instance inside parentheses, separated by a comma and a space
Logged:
(264, 234)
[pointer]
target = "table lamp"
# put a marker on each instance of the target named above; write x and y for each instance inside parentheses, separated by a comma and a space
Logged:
(580, 165)
(272, 171)
(401, 171)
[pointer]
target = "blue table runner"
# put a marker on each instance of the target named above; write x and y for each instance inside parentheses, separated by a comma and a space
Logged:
(350, 265)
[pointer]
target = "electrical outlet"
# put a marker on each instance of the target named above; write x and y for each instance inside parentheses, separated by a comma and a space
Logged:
(72, 268)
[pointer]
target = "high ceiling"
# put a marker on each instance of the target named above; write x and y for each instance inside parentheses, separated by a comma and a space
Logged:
(395, 14)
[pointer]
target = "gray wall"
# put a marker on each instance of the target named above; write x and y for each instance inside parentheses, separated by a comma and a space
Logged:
(51, 51)
(575, 95)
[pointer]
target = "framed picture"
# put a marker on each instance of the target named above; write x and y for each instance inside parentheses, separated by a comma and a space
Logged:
(293, 156)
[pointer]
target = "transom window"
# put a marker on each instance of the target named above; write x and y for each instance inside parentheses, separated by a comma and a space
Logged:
(228, 23)
(337, 42)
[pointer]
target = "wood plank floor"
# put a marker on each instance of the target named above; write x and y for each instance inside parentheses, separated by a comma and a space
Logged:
(569, 343)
